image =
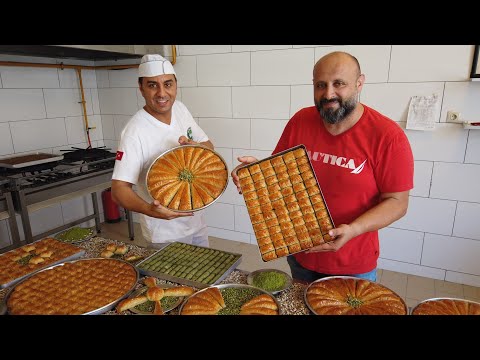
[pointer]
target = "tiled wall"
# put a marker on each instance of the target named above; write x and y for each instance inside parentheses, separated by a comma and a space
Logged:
(243, 96)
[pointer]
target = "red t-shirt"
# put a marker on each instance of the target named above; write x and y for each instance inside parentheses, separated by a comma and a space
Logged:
(353, 168)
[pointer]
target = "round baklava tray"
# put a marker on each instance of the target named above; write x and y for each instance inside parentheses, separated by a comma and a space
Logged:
(187, 178)
(86, 286)
(348, 295)
(446, 306)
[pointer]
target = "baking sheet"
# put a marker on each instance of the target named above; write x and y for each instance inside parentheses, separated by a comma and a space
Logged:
(279, 154)
(288, 279)
(77, 255)
(236, 286)
(100, 310)
(50, 158)
(189, 263)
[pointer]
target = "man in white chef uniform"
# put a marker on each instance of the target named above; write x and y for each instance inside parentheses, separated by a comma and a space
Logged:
(163, 123)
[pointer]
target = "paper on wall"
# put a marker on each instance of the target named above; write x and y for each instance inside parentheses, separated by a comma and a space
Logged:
(421, 112)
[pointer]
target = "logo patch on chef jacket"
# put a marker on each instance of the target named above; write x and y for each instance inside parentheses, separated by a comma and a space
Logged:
(119, 155)
(190, 133)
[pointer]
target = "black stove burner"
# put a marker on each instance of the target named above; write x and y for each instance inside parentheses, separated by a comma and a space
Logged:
(29, 170)
(87, 155)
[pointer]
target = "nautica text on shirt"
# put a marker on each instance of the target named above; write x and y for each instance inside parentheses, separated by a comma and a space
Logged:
(337, 161)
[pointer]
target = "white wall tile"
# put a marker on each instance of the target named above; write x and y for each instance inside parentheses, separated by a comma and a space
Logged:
(461, 278)
(77, 208)
(123, 78)
(29, 77)
(111, 144)
(108, 128)
(401, 245)
(66, 102)
(229, 235)
(141, 100)
(102, 78)
(466, 220)
(282, 67)
(203, 49)
(69, 78)
(186, 69)
(242, 220)
(422, 178)
(455, 182)
(38, 134)
(446, 143)
(95, 122)
(223, 69)
(240, 48)
(226, 154)
(121, 101)
(45, 219)
(267, 102)
(462, 97)
(227, 132)
(473, 147)
(13, 104)
(265, 133)
(119, 122)
(428, 215)
(412, 269)
(208, 101)
(220, 216)
(5, 239)
(416, 63)
(393, 99)
(231, 195)
(94, 101)
(451, 253)
(6, 145)
(301, 96)
(75, 129)
(373, 59)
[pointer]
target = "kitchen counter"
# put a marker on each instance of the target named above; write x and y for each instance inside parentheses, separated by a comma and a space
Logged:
(290, 300)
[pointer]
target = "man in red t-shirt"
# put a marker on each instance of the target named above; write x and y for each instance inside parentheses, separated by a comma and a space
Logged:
(364, 166)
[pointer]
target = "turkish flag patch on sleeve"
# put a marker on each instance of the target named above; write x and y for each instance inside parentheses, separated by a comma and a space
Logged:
(119, 155)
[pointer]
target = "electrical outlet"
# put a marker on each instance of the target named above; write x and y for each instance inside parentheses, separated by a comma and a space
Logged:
(453, 116)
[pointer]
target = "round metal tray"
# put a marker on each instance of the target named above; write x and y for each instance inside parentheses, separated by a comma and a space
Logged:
(226, 286)
(443, 298)
(184, 146)
(165, 310)
(100, 310)
(288, 279)
(346, 277)
(88, 237)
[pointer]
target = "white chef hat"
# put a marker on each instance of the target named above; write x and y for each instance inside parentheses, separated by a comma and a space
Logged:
(154, 65)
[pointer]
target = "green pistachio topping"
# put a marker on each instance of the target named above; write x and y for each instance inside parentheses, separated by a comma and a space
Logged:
(186, 175)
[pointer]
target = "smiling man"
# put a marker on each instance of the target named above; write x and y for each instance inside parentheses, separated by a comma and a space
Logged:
(364, 165)
(163, 123)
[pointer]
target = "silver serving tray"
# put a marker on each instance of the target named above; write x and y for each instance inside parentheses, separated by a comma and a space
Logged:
(288, 279)
(101, 310)
(346, 277)
(443, 298)
(29, 163)
(77, 255)
(165, 310)
(184, 146)
(226, 286)
(316, 179)
(183, 281)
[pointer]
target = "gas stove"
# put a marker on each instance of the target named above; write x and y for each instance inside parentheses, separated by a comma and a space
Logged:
(80, 172)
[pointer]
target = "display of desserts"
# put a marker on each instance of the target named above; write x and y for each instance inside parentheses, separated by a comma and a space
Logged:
(447, 306)
(285, 204)
(187, 178)
(79, 287)
(16, 264)
(343, 295)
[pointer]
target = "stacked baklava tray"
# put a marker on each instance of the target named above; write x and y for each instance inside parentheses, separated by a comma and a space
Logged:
(285, 204)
